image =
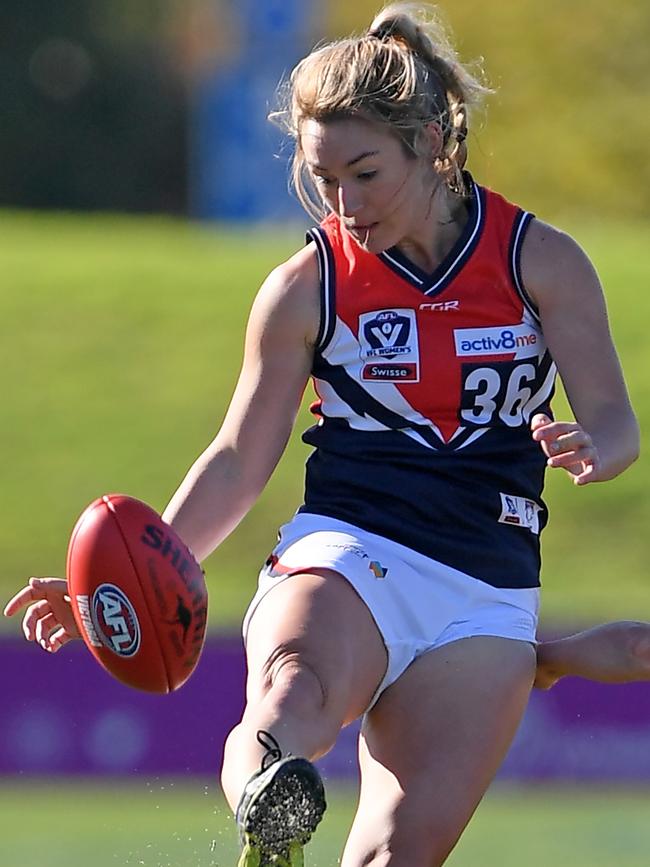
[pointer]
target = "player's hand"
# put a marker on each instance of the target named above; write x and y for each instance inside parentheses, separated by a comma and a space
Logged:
(567, 445)
(48, 620)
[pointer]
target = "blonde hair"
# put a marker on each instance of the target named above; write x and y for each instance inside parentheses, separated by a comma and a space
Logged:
(402, 73)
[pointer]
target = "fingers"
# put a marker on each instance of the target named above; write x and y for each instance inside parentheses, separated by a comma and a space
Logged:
(48, 619)
(539, 420)
(45, 625)
(34, 614)
(57, 639)
(37, 588)
(571, 448)
(41, 624)
(50, 634)
(588, 474)
(49, 586)
(546, 431)
(19, 601)
(567, 446)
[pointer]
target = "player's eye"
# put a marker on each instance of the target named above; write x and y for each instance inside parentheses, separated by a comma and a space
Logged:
(367, 176)
(323, 181)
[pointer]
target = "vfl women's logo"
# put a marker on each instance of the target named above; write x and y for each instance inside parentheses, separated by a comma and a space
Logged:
(389, 345)
(115, 620)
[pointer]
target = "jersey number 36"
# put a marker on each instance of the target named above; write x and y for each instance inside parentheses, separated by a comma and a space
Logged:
(498, 394)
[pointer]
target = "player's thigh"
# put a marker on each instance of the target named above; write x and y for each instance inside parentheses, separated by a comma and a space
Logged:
(317, 621)
(431, 746)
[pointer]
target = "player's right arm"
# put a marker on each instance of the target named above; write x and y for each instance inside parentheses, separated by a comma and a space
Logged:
(227, 478)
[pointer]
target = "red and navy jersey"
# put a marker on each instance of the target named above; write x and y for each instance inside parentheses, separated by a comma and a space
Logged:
(426, 384)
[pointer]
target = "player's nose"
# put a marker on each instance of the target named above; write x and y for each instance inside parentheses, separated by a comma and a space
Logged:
(349, 201)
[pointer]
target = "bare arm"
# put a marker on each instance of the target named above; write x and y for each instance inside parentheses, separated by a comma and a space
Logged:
(227, 478)
(604, 439)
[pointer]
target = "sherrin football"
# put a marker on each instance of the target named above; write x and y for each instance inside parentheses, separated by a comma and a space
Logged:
(138, 595)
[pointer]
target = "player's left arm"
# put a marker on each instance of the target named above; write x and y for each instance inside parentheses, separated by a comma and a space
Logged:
(604, 438)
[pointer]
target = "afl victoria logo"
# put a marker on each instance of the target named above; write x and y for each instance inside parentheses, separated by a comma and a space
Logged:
(386, 334)
(388, 344)
(115, 620)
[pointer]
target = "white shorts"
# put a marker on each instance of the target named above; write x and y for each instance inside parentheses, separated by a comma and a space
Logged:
(417, 603)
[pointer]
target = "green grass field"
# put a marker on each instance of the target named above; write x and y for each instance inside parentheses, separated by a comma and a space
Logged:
(122, 339)
(169, 824)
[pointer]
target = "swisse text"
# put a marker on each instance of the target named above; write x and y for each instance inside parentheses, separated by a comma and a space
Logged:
(406, 372)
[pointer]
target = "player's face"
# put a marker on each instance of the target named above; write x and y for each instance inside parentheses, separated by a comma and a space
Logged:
(363, 174)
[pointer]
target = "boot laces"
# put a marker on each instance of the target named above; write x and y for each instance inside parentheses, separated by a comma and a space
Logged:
(273, 752)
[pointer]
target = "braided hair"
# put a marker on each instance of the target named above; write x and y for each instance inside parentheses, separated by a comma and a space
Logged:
(403, 73)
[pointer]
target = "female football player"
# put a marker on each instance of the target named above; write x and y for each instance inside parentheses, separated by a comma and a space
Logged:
(431, 314)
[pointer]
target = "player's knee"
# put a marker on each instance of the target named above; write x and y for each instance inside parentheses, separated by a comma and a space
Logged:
(288, 667)
(295, 679)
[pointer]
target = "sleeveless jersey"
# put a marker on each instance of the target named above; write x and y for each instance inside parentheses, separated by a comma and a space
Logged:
(426, 384)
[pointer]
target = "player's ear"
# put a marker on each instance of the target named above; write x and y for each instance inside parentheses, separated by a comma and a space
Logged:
(432, 140)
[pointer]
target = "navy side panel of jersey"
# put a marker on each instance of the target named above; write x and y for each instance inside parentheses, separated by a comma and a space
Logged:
(445, 508)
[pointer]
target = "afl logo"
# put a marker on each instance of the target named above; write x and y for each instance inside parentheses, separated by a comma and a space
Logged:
(115, 620)
(387, 334)
(388, 344)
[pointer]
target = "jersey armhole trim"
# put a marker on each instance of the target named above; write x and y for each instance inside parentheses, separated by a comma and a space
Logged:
(327, 286)
(519, 229)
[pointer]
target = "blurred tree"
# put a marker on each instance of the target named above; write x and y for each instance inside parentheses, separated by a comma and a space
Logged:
(95, 98)
(94, 114)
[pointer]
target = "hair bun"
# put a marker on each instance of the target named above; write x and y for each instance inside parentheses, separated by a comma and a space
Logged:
(383, 31)
(392, 23)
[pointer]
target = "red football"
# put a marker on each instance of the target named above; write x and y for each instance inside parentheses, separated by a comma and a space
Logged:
(138, 595)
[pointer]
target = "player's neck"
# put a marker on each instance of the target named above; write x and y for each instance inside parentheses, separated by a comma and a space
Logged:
(434, 236)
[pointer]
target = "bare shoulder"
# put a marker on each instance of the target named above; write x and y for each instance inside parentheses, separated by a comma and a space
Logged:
(289, 298)
(554, 264)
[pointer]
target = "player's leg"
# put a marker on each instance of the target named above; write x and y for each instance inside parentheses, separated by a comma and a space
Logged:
(431, 746)
(612, 653)
(315, 659)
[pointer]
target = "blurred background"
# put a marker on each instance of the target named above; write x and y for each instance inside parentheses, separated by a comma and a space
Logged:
(144, 199)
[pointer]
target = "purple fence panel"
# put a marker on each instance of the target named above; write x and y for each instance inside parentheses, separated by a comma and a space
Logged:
(584, 732)
(64, 714)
